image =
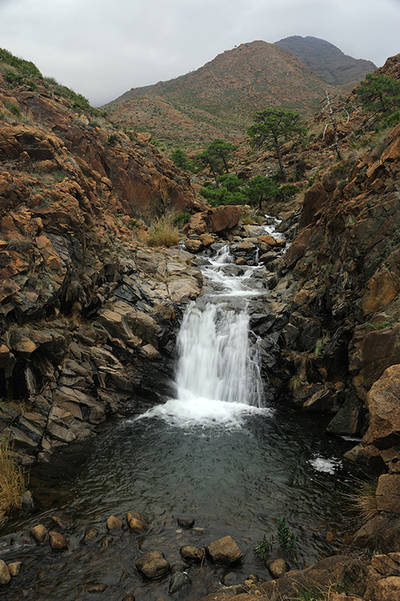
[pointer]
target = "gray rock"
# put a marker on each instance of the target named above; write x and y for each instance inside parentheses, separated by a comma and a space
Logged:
(185, 522)
(27, 502)
(178, 580)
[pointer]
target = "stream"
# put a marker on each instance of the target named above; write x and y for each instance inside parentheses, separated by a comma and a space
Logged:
(217, 453)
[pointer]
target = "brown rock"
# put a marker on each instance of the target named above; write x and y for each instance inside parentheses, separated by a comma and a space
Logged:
(388, 493)
(153, 565)
(224, 550)
(387, 589)
(15, 568)
(381, 290)
(207, 239)
(39, 533)
(136, 522)
(224, 218)
(96, 587)
(384, 407)
(5, 575)
(270, 241)
(113, 523)
(192, 553)
(58, 542)
(277, 567)
(193, 245)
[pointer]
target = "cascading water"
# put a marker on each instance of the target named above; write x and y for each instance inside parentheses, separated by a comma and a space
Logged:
(218, 378)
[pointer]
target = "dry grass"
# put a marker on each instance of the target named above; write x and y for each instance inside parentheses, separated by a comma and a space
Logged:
(12, 480)
(163, 232)
(364, 500)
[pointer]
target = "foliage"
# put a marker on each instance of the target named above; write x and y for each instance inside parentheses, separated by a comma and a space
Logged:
(261, 188)
(12, 107)
(25, 68)
(286, 537)
(181, 219)
(228, 191)
(113, 139)
(216, 157)
(273, 127)
(263, 548)
(163, 232)
(181, 160)
(77, 100)
(379, 93)
(12, 481)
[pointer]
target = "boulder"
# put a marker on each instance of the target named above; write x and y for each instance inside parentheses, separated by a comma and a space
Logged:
(388, 493)
(15, 568)
(113, 523)
(58, 542)
(153, 565)
(224, 218)
(347, 419)
(224, 550)
(192, 553)
(193, 245)
(39, 533)
(384, 408)
(5, 575)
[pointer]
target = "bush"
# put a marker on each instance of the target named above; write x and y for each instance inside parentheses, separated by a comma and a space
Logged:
(162, 232)
(364, 500)
(181, 219)
(12, 107)
(12, 480)
(112, 139)
(24, 67)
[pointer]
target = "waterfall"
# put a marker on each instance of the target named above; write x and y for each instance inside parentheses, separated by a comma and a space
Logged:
(216, 360)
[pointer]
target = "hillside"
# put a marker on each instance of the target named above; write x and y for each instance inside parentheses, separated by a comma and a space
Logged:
(218, 99)
(327, 60)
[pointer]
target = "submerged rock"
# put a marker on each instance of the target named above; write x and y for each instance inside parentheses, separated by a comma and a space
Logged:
(113, 523)
(277, 567)
(58, 542)
(15, 568)
(136, 522)
(185, 522)
(39, 533)
(224, 550)
(5, 575)
(192, 553)
(153, 565)
(178, 580)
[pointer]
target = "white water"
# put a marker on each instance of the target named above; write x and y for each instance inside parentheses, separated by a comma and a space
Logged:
(218, 378)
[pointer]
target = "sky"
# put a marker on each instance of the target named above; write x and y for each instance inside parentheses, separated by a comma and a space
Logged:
(101, 48)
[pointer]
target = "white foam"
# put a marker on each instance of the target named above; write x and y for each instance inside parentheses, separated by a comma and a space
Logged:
(204, 412)
(327, 466)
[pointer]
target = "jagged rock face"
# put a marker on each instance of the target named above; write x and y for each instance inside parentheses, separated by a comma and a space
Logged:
(87, 315)
(346, 261)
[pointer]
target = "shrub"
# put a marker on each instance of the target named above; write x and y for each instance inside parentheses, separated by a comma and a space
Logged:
(364, 500)
(286, 537)
(162, 232)
(112, 139)
(12, 480)
(13, 108)
(181, 219)
(263, 548)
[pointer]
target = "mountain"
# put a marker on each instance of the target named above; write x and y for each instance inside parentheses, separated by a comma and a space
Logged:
(218, 99)
(327, 60)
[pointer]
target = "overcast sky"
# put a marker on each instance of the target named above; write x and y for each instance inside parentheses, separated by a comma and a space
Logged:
(101, 48)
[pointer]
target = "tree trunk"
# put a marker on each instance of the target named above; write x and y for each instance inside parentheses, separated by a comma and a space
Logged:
(279, 157)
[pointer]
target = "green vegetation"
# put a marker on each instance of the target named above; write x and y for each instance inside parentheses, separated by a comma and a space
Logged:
(285, 538)
(77, 100)
(181, 219)
(379, 93)
(272, 128)
(230, 189)
(181, 160)
(215, 158)
(18, 66)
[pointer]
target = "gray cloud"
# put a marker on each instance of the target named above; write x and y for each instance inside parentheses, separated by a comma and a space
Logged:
(101, 48)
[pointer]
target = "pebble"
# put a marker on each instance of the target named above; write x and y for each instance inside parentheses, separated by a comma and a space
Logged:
(113, 523)
(39, 533)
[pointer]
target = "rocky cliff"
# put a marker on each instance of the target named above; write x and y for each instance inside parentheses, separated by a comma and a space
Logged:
(87, 314)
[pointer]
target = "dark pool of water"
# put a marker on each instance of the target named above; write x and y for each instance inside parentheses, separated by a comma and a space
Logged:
(235, 482)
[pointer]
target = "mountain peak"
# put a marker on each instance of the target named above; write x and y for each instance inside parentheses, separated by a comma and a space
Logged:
(327, 60)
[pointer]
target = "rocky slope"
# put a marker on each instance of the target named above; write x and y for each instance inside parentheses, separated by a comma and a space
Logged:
(218, 99)
(87, 315)
(327, 60)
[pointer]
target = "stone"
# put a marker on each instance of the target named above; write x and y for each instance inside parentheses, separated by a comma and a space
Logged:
(224, 550)
(387, 589)
(113, 523)
(192, 553)
(388, 493)
(193, 245)
(99, 587)
(58, 542)
(129, 598)
(39, 533)
(185, 522)
(5, 575)
(153, 565)
(347, 419)
(224, 218)
(136, 522)
(89, 535)
(15, 568)
(178, 580)
(277, 567)
(27, 503)
(384, 408)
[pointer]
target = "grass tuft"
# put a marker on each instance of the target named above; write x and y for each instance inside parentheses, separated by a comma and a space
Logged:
(12, 481)
(163, 232)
